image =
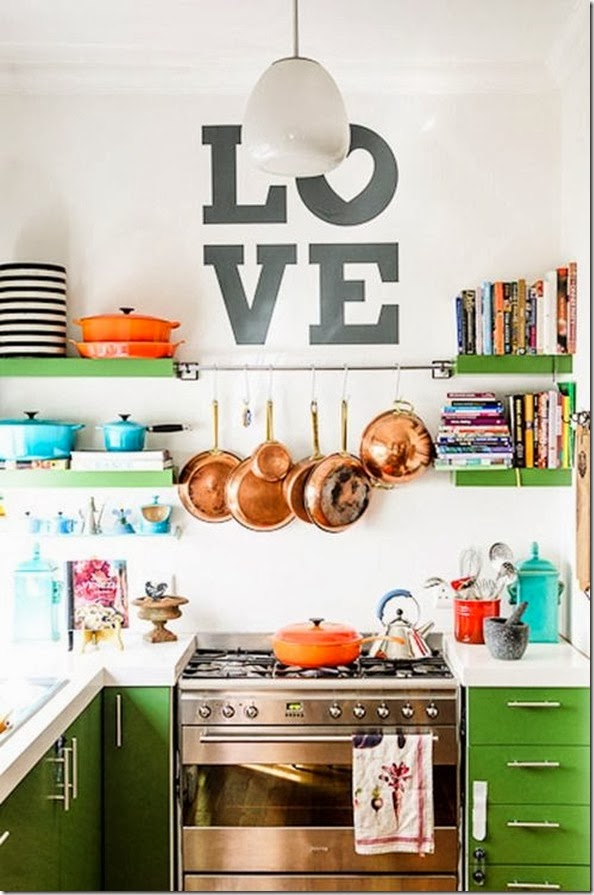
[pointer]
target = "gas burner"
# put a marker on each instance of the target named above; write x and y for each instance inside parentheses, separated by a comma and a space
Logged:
(296, 671)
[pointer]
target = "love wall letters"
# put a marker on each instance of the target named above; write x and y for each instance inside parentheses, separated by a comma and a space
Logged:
(250, 321)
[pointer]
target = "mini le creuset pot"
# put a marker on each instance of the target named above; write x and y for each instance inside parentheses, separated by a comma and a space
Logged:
(126, 327)
(156, 517)
(36, 439)
(128, 435)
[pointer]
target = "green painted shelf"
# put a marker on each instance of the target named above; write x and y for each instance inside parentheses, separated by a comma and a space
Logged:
(83, 366)
(526, 364)
(529, 478)
(70, 478)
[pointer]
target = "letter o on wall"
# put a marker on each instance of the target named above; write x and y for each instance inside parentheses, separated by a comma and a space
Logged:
(317, 194)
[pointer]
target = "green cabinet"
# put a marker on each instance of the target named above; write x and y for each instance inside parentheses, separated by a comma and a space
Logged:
(137, 789)
(528, 786)
(50, 825)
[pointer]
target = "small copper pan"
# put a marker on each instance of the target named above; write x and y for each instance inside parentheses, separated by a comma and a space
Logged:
(396, 446)
(271, 460)
(203, 479)
(294, 482)
(338, 489)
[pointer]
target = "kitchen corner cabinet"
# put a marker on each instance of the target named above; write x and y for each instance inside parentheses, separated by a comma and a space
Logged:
(53, 817)
(137, 789)
(528, 787)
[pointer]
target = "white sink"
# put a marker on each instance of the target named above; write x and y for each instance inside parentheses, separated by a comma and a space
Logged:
(21, 697)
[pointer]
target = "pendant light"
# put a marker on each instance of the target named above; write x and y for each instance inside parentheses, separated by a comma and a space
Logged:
(295, 121)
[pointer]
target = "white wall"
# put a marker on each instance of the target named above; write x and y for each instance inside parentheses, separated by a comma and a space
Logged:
(114, 187)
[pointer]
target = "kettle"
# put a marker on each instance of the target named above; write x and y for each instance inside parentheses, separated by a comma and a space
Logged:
(400, 640)
(36, 600)
(538, 585)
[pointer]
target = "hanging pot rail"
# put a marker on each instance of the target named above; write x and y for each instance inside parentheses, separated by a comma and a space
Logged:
(440, 369)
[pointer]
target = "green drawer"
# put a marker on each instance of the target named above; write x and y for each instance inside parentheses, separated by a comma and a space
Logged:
(531, 878)
(551, 834)
(529, 715)
(532, 774)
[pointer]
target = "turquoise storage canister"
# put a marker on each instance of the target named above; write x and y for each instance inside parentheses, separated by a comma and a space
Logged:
(37, 597)
(538, 584)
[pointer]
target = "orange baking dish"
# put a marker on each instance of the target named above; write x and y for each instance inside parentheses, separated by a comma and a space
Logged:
(97, 350)
(126, 327)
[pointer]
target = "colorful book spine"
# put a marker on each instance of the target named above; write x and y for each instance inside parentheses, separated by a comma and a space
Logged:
(487, 302)
(571, 307)
(538, 288)
(507, 318)
(460, 337)
(521, 346)
(562, 327)
(529, 431)
(498, 313)
(517, 428)
(469, 309)
(541, 422)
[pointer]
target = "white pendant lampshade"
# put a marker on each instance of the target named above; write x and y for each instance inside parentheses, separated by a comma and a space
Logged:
(295, 121)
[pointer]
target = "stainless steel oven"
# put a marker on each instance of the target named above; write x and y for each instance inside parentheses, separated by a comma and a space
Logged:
(265, 790)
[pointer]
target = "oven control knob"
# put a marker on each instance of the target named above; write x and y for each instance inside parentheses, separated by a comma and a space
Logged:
(250, 711)
(359, 710)
(431, 710)
(335, 710)
(383, 711)
(204, 711)
(407, 710)
(228, 711)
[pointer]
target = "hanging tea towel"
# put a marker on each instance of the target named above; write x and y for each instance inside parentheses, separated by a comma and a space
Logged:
(393, 793)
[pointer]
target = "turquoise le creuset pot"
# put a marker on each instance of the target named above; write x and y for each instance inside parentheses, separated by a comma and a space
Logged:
(128, 435)
(37, 439)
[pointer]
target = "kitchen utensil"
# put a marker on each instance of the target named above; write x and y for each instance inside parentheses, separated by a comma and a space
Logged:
(538, 584)
(396, 446)
(99, 350)
(401, 640)
(271, 460)
(504, 640)
(126, 327)
(517, 614)
(34, 439)
(156, 517)
(128, 435)
(256, 502)
(294, 481)
(499, 553)
(470, 563)
(203, 479)
(317, 643)
(37, 595)
(469, 616)
(337, 489)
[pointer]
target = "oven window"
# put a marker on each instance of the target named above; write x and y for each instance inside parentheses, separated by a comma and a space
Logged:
(287, 795)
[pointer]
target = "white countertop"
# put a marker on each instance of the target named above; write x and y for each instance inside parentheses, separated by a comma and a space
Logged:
(139, 664)
(542, 665)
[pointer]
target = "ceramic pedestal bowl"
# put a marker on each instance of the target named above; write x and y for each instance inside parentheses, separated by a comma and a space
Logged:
(159, 612)
(505, 641)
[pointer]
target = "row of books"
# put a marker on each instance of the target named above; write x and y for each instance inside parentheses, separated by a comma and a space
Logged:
(541, 428)
(514, 317)
(473, 432)
(97, 461)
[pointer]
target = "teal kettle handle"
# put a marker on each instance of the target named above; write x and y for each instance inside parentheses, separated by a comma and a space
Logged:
(390, 596)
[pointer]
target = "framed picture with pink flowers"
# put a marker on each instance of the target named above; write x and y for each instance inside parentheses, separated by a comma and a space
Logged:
(97, 588)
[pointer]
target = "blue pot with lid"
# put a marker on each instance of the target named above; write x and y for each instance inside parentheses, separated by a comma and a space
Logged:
(37, 439)
(538, 585)
(125, 434)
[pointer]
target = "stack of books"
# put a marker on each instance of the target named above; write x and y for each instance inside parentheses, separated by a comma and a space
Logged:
(48, 463)
(473, 432)
(130, 461)
(541, 428)
(515, 317)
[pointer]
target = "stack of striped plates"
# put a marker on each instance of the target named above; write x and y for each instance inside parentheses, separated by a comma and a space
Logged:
(32, 310)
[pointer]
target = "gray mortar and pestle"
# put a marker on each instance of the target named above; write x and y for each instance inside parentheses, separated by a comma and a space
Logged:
(507, 638)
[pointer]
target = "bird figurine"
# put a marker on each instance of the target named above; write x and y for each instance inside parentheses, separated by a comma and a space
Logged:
(156, 591)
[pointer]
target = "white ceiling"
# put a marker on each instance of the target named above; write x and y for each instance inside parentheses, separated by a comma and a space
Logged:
(224, 44)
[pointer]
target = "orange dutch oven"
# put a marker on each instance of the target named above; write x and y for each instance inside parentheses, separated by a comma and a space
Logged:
(126, 327)
(317, 643)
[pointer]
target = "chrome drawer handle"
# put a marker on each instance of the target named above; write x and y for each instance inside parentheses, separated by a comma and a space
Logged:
(534, 764)
(518, 704)
(282, 738)
(544, 824)
(533, 886)
(4, 836)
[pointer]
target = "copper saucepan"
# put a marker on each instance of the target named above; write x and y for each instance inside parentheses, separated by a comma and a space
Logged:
(203, 479)
(254, 501)
(338, 489)
(271, 460)
(294, 482)
(318, 643)
(396, 446)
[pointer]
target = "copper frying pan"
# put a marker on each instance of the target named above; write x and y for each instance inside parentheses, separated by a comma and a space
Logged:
(294, 482)
(203, 478)
(271, 460)
(338, 489)
(396, 446)
(254, 501)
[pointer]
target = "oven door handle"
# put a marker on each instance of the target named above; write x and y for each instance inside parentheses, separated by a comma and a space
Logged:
(282, 738)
